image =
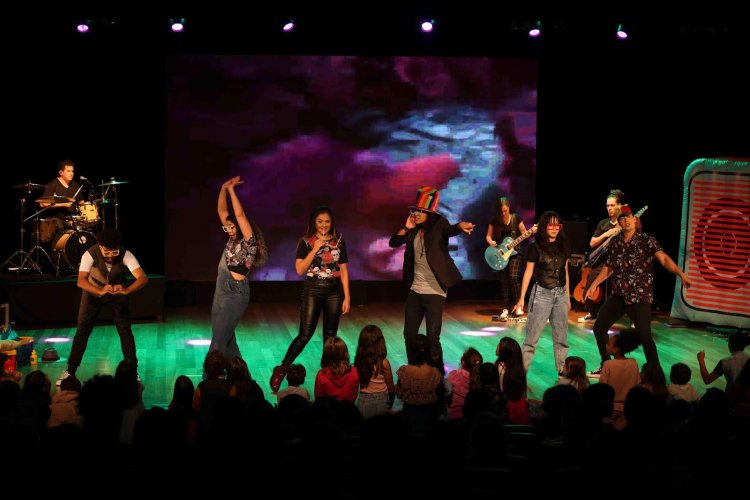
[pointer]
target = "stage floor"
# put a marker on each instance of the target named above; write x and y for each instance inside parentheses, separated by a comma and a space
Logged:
(167, 349)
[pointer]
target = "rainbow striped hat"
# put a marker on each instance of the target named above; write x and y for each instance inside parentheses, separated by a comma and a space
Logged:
(427, 199)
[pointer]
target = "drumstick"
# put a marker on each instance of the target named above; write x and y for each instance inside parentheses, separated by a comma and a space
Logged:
(79, 190)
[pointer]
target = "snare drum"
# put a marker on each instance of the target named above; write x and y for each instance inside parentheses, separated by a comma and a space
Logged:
(47, 229)
(71, 246)
(89, 213)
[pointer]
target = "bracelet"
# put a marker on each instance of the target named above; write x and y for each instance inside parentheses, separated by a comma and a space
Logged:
(406, 229)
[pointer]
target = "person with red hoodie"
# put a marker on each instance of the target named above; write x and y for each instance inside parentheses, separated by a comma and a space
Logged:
(337, 377)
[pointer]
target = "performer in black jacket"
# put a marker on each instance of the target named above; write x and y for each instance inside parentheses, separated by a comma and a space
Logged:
(428, 268)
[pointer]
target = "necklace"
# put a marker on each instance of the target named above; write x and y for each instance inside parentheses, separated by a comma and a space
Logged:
(421, 240)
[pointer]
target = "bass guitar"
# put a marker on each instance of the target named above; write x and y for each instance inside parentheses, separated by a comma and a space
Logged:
(598, 254)
(497, 257)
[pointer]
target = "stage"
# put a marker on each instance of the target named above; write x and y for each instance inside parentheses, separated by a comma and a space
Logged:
(178, 344)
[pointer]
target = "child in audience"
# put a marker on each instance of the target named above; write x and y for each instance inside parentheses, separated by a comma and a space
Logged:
(462, 380)
(181, 407)
(680, 387)
(420, 385)
(574, 373)
(336, 378)
(653, 379)
(376, 388)
(731, 366)
(214, 388)
(64, 407)
(295, 377)
(512, 374)
(621, 372)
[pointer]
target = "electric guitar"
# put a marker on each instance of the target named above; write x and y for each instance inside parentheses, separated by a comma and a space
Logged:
(598, 254)
(497, 257)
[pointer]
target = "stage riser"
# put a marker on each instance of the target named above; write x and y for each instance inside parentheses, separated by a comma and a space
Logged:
(34, 302)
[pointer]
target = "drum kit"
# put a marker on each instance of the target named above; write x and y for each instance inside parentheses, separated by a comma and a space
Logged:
(61, 242)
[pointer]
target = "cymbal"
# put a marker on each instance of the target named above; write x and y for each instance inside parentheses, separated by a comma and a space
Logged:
(29, 185)
(55, 198)
(114, 183)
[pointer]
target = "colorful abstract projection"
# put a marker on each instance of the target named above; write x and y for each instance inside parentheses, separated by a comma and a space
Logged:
(715, 243)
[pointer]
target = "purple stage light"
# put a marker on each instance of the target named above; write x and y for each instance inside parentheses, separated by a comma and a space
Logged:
(427, 26)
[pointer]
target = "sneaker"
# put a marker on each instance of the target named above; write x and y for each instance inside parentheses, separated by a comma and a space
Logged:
(595, 373)
(504, 315)
(518, 312)
(63, 376)
(588, 317)
(279, 372)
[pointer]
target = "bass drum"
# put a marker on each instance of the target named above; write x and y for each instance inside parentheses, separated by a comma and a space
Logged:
(71, 245)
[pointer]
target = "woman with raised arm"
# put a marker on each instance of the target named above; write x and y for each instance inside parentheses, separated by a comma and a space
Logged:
(244, 250)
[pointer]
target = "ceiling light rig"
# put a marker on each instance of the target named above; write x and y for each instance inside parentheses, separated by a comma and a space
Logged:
(621, 33)
(427, 26)
(536, 30)
(177, 25)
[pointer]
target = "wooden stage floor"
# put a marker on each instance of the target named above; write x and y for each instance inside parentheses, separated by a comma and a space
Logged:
(168, 349)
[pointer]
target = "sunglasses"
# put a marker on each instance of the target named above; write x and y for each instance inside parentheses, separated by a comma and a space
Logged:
(415, 212)
(110, 253)
(226, 229)
(554, 226)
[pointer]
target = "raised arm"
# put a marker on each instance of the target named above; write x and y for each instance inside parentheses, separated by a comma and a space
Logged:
(399, 237)
(598, 240)
(239, 211)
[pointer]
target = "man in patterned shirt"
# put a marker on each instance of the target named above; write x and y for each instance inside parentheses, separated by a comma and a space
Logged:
(630, 264)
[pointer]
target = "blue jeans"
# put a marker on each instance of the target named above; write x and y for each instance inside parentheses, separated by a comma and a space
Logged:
(230, 302)
(372, 404)
(552, 304)
(430, 307)
(326, 295)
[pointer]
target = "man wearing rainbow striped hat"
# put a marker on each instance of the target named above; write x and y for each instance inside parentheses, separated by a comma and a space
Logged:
(428, 268)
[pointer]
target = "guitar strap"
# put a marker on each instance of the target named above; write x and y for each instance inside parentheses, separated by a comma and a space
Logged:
(514, 226)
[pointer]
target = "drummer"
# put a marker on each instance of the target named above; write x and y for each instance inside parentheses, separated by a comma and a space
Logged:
(62, 186)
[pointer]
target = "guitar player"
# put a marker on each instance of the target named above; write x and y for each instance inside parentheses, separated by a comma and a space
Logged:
(604, 230)
(502, 225)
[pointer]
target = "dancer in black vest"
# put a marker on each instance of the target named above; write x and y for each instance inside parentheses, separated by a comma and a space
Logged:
(101, 277)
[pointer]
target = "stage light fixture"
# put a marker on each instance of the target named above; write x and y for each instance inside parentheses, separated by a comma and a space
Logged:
(621, 33)
(83, 27)
(536, 30)
(427, 26)
(177, 25)
(289, 26)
